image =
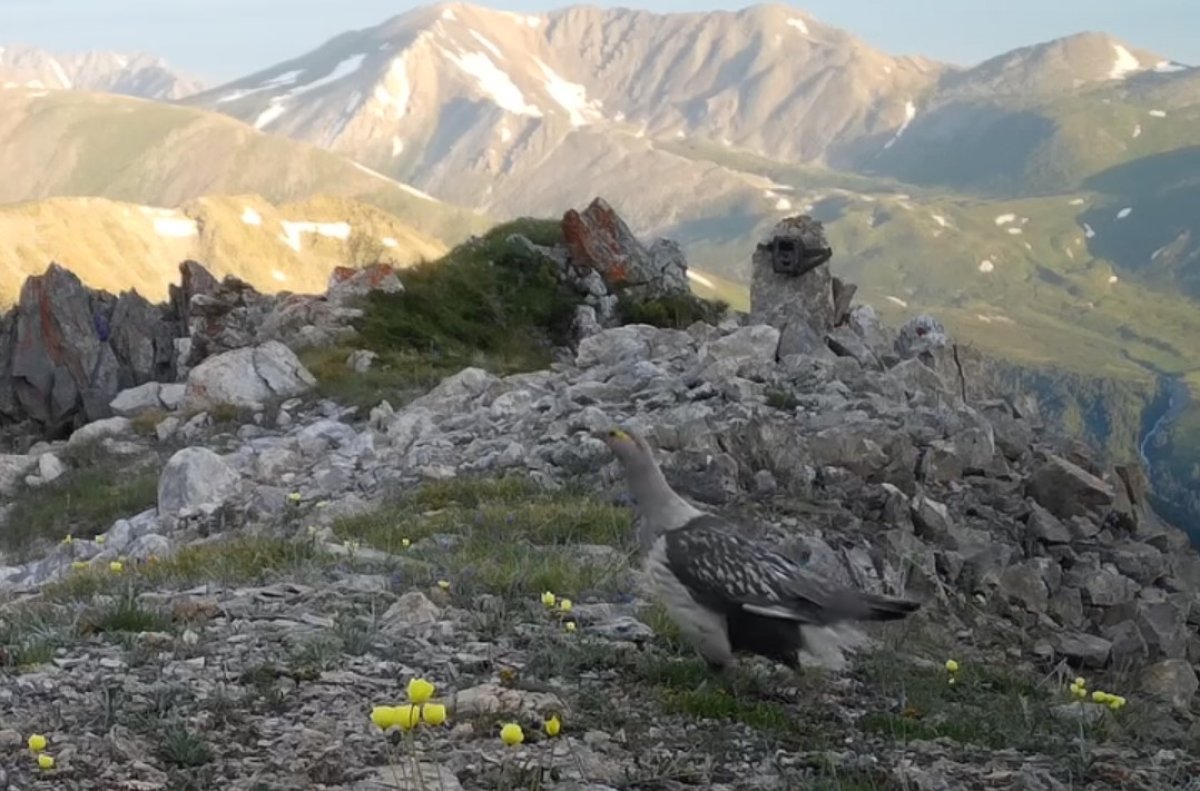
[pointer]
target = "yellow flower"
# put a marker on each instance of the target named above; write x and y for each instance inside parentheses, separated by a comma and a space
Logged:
(951, 681)
(570, 626)
(100, 539)
(67, 540)
(294, 497)
(444, 584)
(37, 742)
(1100, 697)
(79, 565)
(322, 503)
(1079, 692)
(433, 713)
(419, 690)
(548, 599)
(403, 717)
(511, 734)
(553, 726)
(565, 605)
(116, 567)
(46, 761)
(951, 665)
(410, 717)
(1079, 682)
(404, 542)
(385, 716)
(1115, 702)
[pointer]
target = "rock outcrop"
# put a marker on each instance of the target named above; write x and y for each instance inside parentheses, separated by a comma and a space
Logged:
(599, 241)
(67, 351)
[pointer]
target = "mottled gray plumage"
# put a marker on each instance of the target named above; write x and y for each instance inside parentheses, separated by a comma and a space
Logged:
(727, 593)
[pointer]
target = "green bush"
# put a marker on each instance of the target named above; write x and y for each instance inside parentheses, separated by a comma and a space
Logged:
(490, 295)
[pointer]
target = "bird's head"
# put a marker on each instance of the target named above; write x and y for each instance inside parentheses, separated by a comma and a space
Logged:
(629, 447)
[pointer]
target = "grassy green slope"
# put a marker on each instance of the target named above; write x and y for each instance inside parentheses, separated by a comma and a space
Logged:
(71, 143)
(1009, 146)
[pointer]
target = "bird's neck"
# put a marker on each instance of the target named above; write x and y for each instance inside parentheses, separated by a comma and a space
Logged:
(656, 501)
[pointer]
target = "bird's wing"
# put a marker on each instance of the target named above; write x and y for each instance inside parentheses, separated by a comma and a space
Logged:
(723, 569)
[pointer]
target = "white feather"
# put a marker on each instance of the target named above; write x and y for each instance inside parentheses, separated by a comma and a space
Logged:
(772, 611)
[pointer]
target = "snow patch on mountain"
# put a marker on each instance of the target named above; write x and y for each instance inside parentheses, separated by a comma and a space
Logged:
(292, 230)
(270, 114)
(1126, 63)
(493, 81)
(799, 24)
(395, 91)
(344, 69)
(910, 112)
(175, 227)
(485, 42)
(570, 95)
(251, 217)
(61, 73)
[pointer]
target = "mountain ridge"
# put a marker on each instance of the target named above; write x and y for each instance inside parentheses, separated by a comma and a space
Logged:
(117, 246)
(130, 73)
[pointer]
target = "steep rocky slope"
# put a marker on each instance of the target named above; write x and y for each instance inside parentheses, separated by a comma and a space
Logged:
(118, 246)
(133, 74)
(286, 563)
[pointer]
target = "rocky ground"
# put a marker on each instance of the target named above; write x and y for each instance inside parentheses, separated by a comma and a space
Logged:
(214, 588)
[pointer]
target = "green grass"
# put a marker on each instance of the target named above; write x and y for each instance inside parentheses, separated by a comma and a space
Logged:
(502, 536)
(81, 502)
(995, 707)
(125, 614)
(30, 636)
(241, 560)
(686, 686)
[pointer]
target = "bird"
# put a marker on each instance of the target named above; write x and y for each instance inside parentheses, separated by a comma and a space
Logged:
(730, 595)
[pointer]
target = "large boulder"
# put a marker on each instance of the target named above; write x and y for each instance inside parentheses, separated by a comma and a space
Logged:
(194, 480)
(248, 378)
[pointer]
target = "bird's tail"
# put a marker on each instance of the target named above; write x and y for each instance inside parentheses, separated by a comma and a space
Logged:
(885, 608)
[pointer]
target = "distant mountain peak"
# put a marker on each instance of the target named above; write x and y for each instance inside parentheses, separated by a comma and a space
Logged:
(1061, 64)
(132, 74)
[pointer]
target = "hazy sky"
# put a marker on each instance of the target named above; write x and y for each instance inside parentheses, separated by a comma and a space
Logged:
(224, 39)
